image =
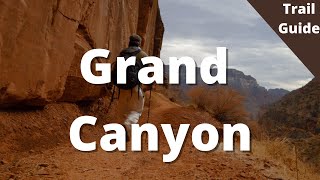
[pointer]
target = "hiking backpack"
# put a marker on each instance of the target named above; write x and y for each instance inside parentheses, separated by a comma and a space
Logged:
(132, 71)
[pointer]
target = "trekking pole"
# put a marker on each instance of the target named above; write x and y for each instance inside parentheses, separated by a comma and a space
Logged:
(149, 105)
(295, 151)
(111, 100)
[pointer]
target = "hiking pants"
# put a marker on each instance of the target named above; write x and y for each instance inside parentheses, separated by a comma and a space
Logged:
(130, 105)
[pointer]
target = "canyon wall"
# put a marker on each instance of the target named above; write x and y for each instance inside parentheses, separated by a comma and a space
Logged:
(42, 42)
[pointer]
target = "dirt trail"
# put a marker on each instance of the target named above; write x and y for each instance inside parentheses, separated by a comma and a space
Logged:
(65, 162)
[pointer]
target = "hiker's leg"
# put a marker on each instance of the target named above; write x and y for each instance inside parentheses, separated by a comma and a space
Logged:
(123, 107)
(131, 106)
(132, 118)
(140, 102)
(137, 103)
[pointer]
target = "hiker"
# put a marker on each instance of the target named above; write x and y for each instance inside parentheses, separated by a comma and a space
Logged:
(131, 95)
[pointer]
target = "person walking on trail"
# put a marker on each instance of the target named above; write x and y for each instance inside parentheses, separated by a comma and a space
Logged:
(131, 95)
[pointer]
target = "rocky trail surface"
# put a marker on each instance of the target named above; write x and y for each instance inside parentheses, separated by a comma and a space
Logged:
(63, 161)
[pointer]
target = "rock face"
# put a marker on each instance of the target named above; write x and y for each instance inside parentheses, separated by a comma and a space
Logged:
(299, 109)
(256, 96)
(42, 42)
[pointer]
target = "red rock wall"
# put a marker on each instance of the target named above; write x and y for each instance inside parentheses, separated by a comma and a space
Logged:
(42, 42)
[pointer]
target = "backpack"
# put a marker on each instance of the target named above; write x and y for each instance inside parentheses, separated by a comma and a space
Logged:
(132, 71)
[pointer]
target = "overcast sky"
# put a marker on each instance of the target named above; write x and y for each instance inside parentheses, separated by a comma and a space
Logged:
(196, 28)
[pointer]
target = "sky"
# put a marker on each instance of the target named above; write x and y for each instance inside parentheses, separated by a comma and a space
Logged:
(196, 28)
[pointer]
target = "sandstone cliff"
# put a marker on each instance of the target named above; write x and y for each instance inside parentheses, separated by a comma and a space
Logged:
(42, 42)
